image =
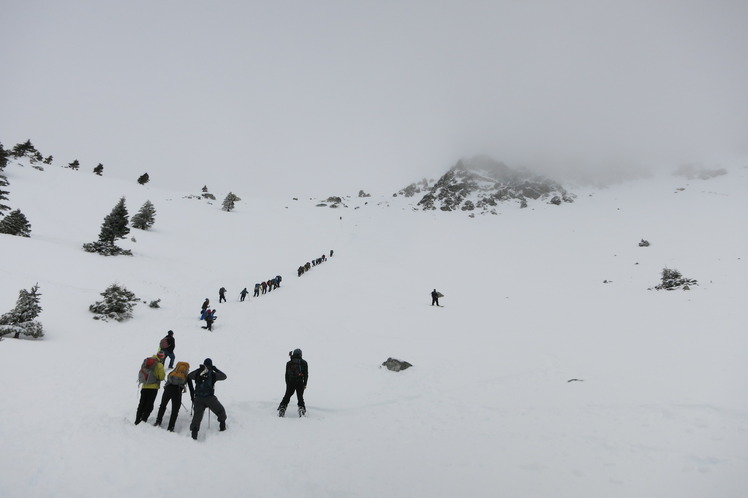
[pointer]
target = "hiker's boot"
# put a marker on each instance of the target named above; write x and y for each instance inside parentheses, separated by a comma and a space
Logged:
(302, 411)
(194, 435)
(170, 428)
(137, 421)
(282, 410)
(222, 427)
(157, 423)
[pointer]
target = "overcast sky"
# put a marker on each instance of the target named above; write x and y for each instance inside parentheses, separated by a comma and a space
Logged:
(332, 96)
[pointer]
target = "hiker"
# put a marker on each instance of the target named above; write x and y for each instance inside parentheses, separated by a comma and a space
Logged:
(204, 308)
(331, 251)
(269, 283)
(297, 374)
(174, 386)
(257, 290)
(278, 279)
(167, 346)
(434, 298)
(210, 317)
(150, 376)
(203, 395)
(243, 294)
(222, 295)
(264, 287)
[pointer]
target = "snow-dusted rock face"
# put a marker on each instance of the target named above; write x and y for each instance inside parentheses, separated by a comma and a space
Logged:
(481, 183)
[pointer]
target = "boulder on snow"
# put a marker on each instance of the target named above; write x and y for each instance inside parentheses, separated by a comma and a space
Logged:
(396, 365)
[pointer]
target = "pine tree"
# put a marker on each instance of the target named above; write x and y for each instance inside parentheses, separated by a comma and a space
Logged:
(22, 318)
(144, 178)
(48, 159)
(228, 202)
(74, 165)
(26, 148)
(145, 218)
(99, 169)
(4, 154)
(117, 304)
(3, 194)
(115, 224)
(114, 227)
(15, 224)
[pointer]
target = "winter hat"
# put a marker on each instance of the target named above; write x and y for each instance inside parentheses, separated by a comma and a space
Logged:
(160, 354)
(208, 362)
(171, 332)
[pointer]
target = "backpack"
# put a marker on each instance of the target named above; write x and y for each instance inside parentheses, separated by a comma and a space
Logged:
(294, 370)
(204, 385)
(146, 375)
(178, 376)
(164, 343)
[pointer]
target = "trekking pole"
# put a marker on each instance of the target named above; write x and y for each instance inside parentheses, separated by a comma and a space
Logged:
(208, 418)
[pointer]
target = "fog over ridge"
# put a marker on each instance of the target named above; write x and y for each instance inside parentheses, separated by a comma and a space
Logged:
(338, 96)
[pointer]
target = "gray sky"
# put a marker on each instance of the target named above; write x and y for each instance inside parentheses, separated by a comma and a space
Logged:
(333, 96)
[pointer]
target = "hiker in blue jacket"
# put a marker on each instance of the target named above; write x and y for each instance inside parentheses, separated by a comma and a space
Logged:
(203, 395)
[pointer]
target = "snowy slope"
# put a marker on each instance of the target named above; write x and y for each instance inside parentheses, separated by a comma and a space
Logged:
(487, 409)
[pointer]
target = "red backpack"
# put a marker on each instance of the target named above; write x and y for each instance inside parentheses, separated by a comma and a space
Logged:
(146, 375)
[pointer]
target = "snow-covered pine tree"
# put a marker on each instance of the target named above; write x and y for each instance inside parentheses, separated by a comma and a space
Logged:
(22, 318)
(3, 194)
(99, 169)
(15, 224)
(114, 227)
(145, 218)
(74, 165)
(143, 179)
(117, 304)
(228, 202)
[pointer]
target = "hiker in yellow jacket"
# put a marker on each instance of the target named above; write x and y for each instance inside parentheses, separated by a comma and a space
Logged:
(150, 376)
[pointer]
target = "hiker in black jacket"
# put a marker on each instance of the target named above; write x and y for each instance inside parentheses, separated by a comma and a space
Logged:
(297, 374)
(203, 395)
(168, 341)
(434, 298)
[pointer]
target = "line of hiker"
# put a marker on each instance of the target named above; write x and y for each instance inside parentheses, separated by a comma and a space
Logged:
(267, 286)
(309, 264)
(201, 383)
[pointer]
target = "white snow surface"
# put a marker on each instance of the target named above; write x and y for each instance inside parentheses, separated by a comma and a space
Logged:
(659, 410)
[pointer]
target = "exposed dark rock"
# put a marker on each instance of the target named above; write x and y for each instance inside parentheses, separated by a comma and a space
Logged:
(396, 365)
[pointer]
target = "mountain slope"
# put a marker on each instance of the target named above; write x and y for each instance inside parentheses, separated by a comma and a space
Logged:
(658, 410)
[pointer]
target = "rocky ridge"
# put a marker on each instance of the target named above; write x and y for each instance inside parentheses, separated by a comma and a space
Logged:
(479, 184)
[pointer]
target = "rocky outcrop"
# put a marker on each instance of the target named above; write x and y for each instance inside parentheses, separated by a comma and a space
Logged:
(480, 184)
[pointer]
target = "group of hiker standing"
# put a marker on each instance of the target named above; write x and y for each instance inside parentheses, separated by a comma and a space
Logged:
(201, 383)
